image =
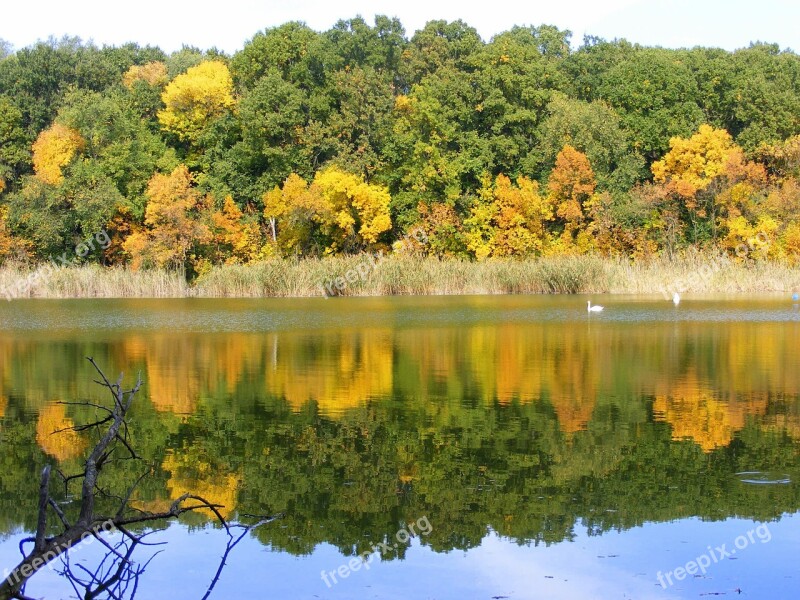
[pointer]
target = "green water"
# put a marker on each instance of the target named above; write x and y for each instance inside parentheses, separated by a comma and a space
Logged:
(537, 451)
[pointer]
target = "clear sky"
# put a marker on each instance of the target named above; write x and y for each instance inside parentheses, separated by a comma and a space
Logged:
(227, 25)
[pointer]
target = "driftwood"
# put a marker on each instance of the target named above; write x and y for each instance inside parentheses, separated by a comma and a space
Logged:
(117, 575)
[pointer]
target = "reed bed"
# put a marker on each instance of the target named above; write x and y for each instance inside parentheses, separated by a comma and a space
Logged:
(365, 275)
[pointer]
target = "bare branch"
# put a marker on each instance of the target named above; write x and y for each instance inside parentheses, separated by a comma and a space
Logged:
(117, 575)
(44, 496)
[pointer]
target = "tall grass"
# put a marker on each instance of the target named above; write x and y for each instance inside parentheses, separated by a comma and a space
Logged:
(408, 275)
(89, 281)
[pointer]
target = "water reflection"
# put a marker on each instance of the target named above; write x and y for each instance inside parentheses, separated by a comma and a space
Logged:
(517, 416)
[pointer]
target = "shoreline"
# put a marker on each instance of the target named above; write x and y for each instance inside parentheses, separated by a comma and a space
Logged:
(363, 276)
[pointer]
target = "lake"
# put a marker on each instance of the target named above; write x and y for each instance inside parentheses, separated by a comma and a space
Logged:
(439, 447)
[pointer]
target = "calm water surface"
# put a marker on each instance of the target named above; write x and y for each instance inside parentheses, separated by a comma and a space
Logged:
(540, 452)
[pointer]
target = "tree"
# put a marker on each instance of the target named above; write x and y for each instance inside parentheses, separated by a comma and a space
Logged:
(273, 115)
(53, 150)
(338, 209)
(58, 218)
(509, 221)
(118, 142)
(361, 121)
(355, 213)
(14, 154)
(293, 50)
(762, 95)
(443, 228)
(571, 187)
(692, 164)
(235, 238)
(172, 223)
(595, 129)
(193, 99)
(656, 97)
(691, 167)
(153, 74)
(438, 45)
(37, 77)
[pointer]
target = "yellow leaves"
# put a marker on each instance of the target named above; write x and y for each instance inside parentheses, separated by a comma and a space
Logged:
(153, 74)
(53, 150)
(172, 226)
(403, 104)
(349, 211)
(64, 445)
(354, 202)
(791, 243)
(691, 164)
(192, 100)
(751, 241)
(509, 220)
(571, 188)
(236, 238)
(572, 179)
(195, 475)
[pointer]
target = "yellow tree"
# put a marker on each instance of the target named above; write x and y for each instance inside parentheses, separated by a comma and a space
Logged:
(510, 221)
(338, 209)
(235, 238)
(53, 150)
(173, 226)
(192, 100)
(153, 73)
(293, 212)
(355, 212)
(571, 189)
(692, 164)
(691, 167)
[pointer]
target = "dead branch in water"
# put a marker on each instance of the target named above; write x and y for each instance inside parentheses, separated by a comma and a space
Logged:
(117, 575)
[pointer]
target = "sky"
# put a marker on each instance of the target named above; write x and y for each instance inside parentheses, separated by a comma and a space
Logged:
(728, 24)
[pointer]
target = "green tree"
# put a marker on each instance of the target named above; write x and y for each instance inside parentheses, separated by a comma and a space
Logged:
(656, 97)
(595, 129)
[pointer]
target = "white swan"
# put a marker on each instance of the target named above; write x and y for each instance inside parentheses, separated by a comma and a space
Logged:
(591, 308)
(676, 298)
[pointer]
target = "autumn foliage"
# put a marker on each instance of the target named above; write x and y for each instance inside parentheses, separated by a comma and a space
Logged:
(171, 221)
(53, 150)
(308, 144)
(192, 100)
(153, 73)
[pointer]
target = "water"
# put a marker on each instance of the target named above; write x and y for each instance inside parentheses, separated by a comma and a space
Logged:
(537, 451)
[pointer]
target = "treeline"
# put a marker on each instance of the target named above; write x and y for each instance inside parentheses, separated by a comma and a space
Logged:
(310, 143)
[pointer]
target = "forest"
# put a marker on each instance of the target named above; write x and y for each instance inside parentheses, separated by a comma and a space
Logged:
(315, 144)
